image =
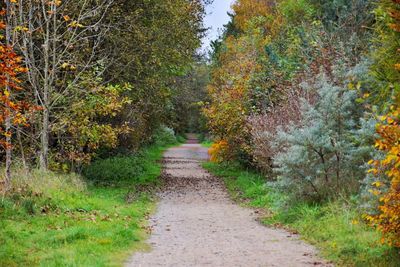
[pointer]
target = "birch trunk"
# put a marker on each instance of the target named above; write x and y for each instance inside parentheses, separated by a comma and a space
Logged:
(46, 103)
(8, 111)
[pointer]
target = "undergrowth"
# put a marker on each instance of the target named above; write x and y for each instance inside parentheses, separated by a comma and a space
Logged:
(135, 169)
(336, 228)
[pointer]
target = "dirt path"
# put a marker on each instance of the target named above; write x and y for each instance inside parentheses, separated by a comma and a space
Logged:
(198, 225)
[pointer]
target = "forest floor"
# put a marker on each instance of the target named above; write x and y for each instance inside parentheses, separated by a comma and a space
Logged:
(197, 223)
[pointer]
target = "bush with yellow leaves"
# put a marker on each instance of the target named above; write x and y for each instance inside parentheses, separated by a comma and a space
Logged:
(219, 151)
(387, 220)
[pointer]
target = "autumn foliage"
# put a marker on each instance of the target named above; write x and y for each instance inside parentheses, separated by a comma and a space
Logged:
(388, 218)
(296, 89)
(11, 108)
(218, 151)
(233, 78)
(246, 10)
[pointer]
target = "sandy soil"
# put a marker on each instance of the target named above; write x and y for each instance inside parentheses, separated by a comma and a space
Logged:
(198, 225)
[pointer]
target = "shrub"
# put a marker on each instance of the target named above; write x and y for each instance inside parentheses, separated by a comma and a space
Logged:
(264, 127)
(297, 10)
(164, 136)
(386, 56)
(388, 190)
(219, 151)
(320, 157)
(115, 169)
(385, 170)
(369, 201)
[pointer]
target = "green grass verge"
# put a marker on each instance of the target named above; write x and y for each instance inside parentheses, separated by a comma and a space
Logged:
(335, 228)
(60, 220)
(206, 142)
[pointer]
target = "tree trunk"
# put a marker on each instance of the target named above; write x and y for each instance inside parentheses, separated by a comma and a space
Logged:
(8, 151)
(44, 140)
(46, 105)
(23, 158)
(8, 110)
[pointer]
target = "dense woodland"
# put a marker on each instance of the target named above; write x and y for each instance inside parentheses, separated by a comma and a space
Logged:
(308, 93)
(304, 92)
(79, 77)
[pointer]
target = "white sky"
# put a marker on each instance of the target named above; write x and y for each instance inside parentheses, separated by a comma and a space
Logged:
(216, 17)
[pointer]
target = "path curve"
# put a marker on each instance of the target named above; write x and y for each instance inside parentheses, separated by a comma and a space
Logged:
(197, 224)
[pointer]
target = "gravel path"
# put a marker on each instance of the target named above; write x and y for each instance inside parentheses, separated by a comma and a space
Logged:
(198, 225)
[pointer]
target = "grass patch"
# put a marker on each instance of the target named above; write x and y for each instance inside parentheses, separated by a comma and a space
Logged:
(63, 220)
(205, 140)
(207, 143)
(335, 228)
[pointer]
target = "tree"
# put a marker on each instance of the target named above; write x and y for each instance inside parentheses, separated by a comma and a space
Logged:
(387, 169)
(235, 75)
(188, 97)
(13, 108)
(387, 218)
(59, 41)
(154, 45)
(88, 124)
(319, 156)
(386, 57)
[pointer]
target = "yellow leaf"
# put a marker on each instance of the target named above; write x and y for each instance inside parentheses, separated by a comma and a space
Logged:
(377, 184)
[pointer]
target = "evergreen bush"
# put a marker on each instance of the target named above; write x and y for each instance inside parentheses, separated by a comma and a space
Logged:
(321, 157)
